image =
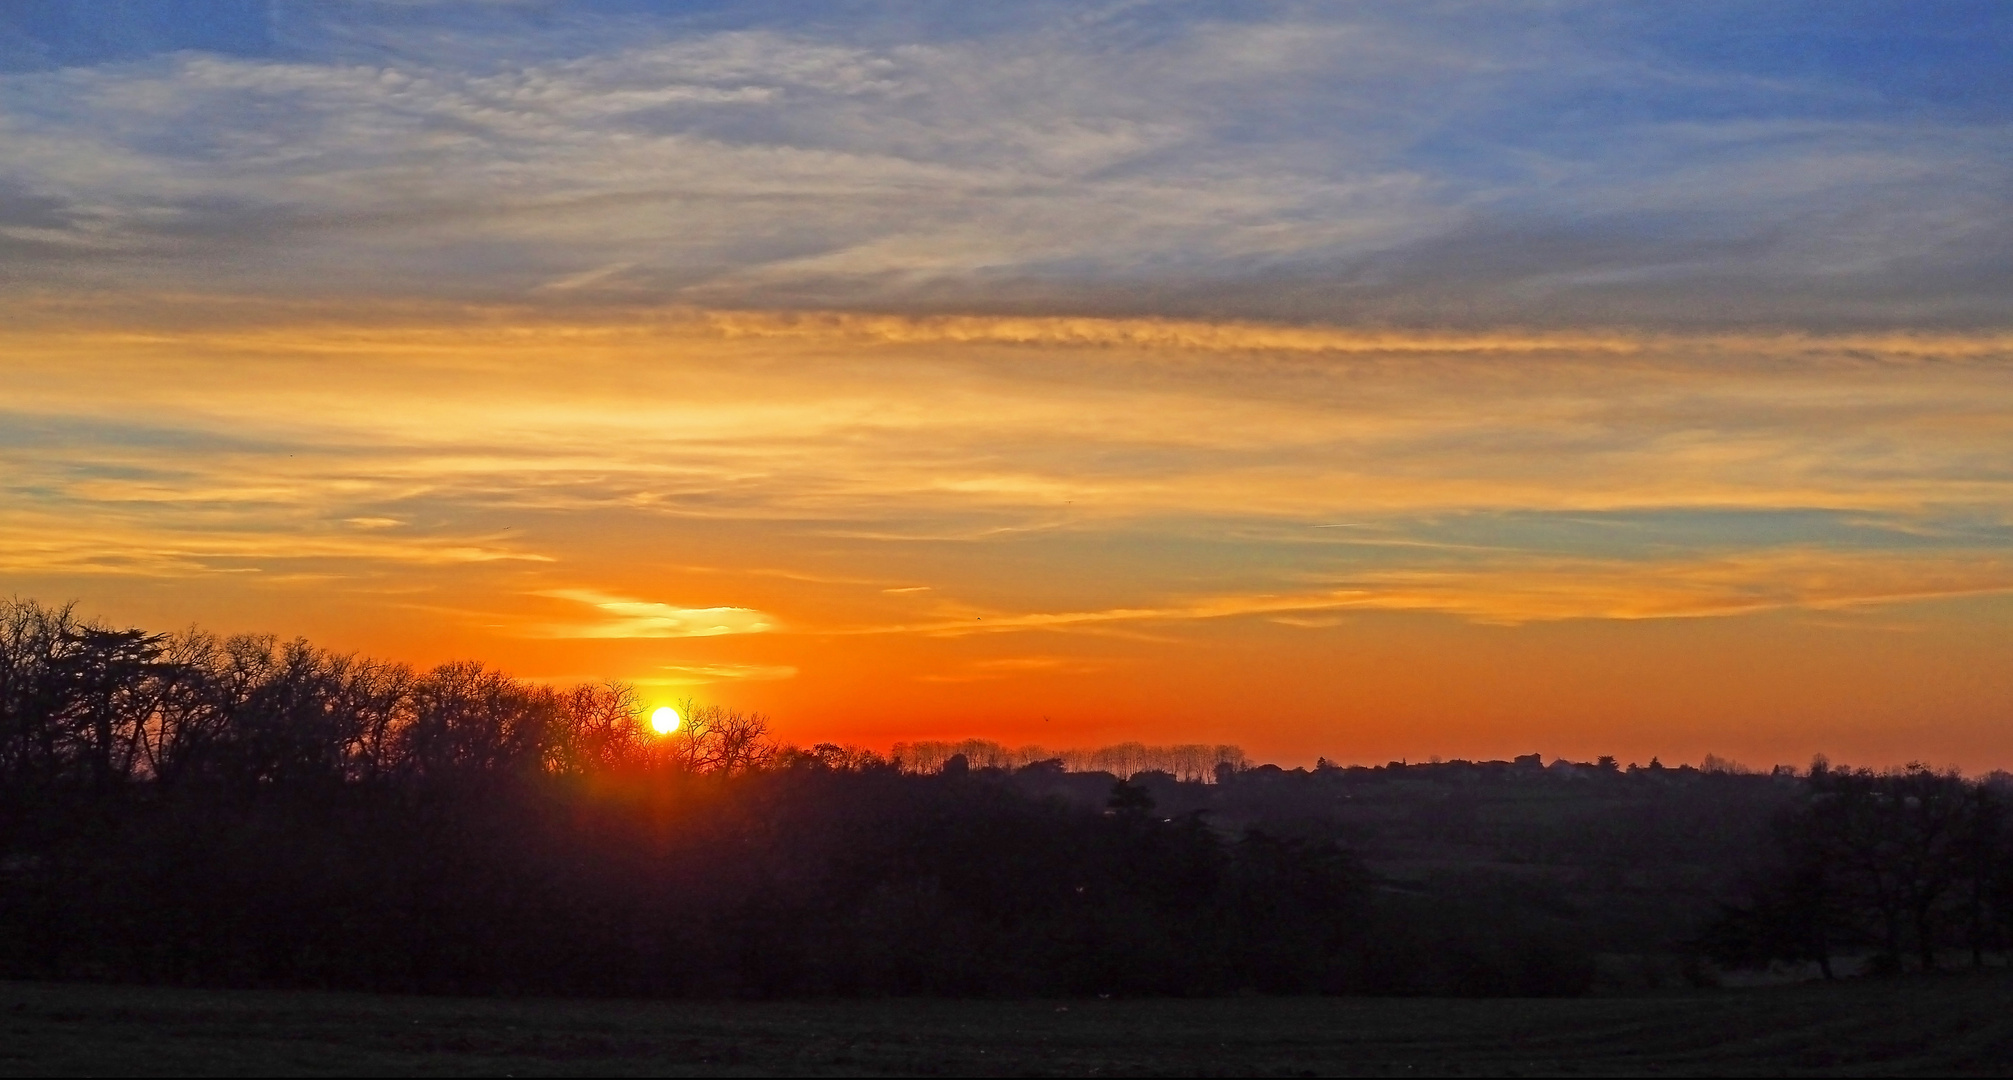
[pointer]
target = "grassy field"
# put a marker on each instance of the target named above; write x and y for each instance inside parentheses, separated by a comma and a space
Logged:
(1951, 1024)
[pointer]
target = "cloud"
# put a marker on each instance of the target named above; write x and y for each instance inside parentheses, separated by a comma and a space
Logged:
(626, 618)
(1246, 336)
(135, 447)
(702, 674)
(1009, 666)
(1428, 165)
(1513, 588)
(741, 492)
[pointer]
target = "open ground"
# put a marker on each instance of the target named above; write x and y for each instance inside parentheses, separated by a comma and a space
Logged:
(1935, 1025)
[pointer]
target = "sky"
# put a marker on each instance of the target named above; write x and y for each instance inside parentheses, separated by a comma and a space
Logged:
(1371, 381)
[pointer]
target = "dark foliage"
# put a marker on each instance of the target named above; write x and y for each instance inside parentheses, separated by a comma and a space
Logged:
(251, 812)
(192, 810)
(1912, 864)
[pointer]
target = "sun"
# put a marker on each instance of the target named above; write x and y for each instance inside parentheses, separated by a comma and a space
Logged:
(665, 720)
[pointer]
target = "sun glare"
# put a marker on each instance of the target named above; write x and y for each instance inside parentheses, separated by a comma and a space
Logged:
(664, 720)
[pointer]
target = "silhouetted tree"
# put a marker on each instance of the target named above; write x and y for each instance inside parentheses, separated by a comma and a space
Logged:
(716, 739)
(1899, 858)
(1129, 798)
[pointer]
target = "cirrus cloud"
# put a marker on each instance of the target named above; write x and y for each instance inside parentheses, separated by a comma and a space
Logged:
(622, 617)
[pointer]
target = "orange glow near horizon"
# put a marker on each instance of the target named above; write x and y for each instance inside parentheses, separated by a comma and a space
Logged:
(1304, 540)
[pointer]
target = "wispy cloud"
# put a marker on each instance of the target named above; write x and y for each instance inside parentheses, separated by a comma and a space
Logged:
(702, 674)
(469, 443)
(1514, 588)
(1371, 163)
(621, 617)
(1004, 667)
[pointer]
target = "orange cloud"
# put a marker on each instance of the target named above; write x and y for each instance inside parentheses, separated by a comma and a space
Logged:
(807, 510)
(626, 618)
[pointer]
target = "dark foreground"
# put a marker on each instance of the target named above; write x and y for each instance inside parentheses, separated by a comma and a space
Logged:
(1952, 1024)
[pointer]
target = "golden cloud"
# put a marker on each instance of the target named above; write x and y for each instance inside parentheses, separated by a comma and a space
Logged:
(534, 451)
(627, 618)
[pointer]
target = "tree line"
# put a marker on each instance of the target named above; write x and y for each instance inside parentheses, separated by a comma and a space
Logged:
(1183, 761)
(249, 811)
(88, 710)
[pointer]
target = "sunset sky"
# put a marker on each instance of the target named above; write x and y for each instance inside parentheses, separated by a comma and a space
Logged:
(1372, 381)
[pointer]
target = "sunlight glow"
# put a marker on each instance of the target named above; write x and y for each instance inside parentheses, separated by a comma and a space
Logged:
(665, 720)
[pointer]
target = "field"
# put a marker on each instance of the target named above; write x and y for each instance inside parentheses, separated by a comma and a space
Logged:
(1940, 1025)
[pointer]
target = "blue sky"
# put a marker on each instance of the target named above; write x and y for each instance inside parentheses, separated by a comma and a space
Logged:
(1781, 165)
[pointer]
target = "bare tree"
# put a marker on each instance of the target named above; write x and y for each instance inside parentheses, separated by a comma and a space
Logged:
(716, 739)
(599, 727)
